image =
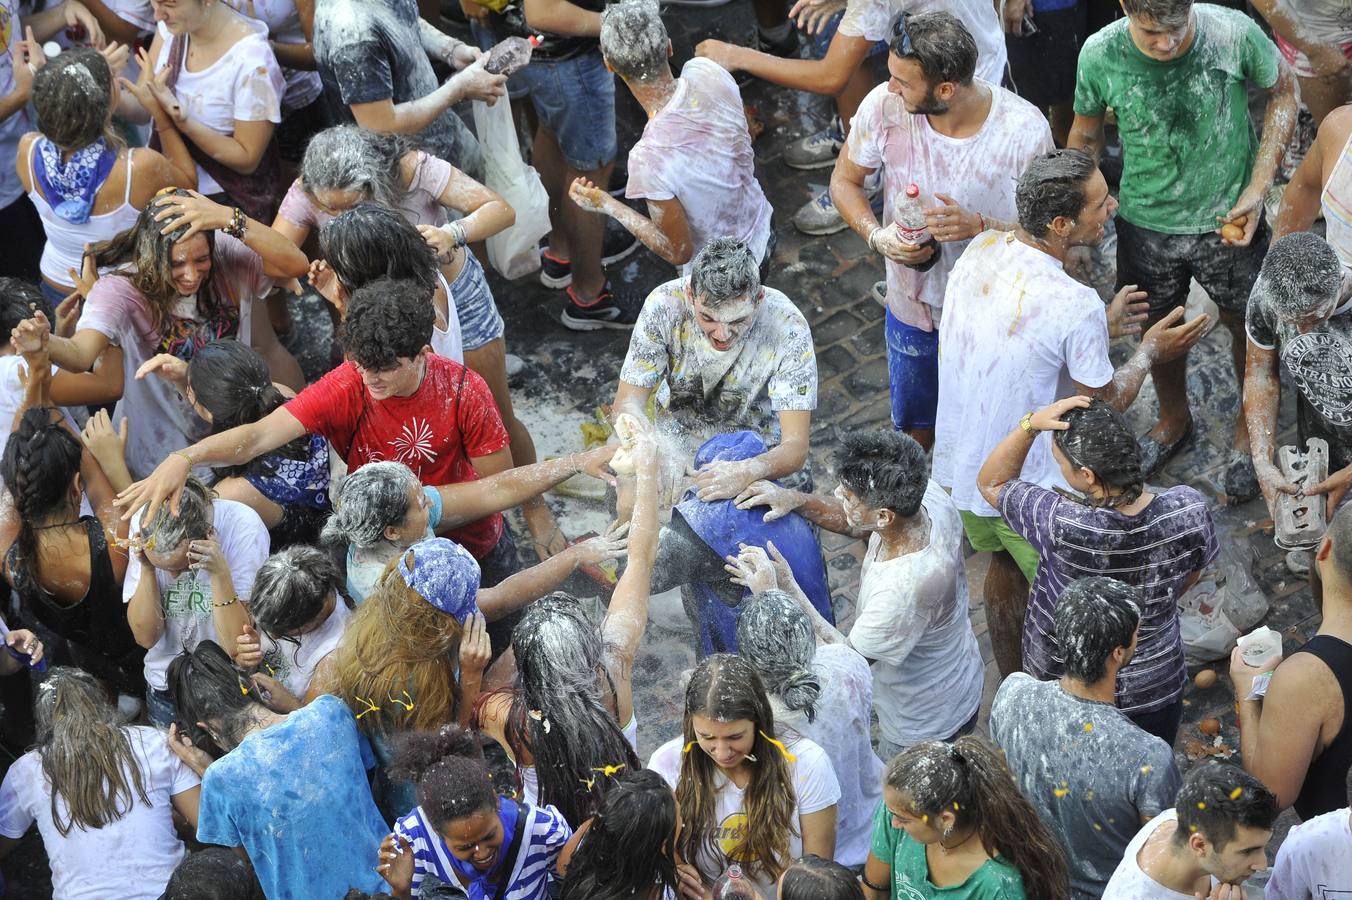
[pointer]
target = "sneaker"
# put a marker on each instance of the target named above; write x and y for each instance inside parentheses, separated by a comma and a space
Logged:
(555, 273)
(819, 215)
(617, 243)
(608, 310)
(816, 151)
(785, 48)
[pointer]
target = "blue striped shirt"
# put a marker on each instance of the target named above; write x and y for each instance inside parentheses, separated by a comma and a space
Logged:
(545, 834)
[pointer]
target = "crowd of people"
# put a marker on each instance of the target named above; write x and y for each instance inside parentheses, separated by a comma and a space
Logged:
(272, 636)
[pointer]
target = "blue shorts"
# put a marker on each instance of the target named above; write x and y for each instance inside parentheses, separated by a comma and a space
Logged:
(54, 297)
(474, 307)
(575, 99)
(819, 43)
(913, 373)
(160, 709)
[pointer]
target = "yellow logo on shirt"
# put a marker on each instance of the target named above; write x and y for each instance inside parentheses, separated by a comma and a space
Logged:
(731, 833)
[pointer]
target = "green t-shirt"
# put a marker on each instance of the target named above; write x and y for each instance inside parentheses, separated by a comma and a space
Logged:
(1188, 144)
(995, 880)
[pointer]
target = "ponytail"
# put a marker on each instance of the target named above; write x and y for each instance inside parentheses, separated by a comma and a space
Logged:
(969, 778)
(40, 461)
(232, 382)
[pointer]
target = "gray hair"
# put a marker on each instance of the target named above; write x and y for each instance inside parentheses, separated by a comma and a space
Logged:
(291, 588)
(371, 499)
(194, 520)
(775, 636)
(634, 41)
(724, 271)
(349, 158)
(1300, 273)
(1165, 13)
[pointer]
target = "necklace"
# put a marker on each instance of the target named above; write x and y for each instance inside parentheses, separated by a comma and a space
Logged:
(56, 525)
(945, 849)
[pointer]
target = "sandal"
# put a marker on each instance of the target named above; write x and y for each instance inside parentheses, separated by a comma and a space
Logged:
(1155, 454)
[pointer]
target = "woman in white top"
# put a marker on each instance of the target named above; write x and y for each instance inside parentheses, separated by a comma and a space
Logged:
(86, 184)
(823, 693)
(217, 77)
(290, 26)
(103, 795)
(746, 796)
(298, 619)
(173, 293)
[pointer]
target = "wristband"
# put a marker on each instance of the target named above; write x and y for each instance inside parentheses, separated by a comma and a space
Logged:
(877, 887)
(239, 223)
(456, 230)
(872, 236)
(184, 454)
(982, 219)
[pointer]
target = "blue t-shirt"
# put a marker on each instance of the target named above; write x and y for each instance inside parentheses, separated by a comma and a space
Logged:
(295, 797)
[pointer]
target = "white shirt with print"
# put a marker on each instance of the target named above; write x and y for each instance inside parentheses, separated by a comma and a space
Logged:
(1315, 860)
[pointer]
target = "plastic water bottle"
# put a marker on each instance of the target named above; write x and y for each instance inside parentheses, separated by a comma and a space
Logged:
(511, 55)
(733, 885)
(908, 216)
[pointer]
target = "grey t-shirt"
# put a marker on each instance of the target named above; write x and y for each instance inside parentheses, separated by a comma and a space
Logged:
(371, 50)
(1089, 771)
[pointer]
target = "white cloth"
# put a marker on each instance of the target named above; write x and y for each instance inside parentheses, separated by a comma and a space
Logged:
(1017, 333)
(186, 599)
(913, 622)
(697, 149)
(448, 341)
(1336, 203)
(244, 85)
(1315, 860)
(162, 421)
(814, 786)
(873, 19)
(283, 21)
(66, 241)
(1129, 882)
(293, 663)
(979, 172)
(842, 728)
(13, 128)
(130, 858)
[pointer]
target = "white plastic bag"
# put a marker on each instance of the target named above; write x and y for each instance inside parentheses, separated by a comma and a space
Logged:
(516, 251)
(1222, 605)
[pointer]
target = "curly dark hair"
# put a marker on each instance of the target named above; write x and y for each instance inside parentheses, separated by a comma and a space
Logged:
(1217, 798)
(1054, 185)
(387, 320)
(448, 771)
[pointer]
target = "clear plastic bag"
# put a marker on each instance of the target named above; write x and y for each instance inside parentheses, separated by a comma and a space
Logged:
(516, 251)
(1224, 604)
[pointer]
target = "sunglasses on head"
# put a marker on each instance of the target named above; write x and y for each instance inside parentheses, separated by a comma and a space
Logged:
(901, 38)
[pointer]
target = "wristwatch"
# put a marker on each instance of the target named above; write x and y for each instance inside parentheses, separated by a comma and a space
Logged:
(1026, 423)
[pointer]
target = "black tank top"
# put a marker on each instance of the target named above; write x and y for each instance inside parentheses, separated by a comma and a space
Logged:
(1325, 787)
(97, 621)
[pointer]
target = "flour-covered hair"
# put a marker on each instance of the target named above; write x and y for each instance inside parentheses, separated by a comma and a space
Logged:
(1094, 616)
(373, 498)
(723, 272)
(775, 636)
(350, 158)
(634, 41)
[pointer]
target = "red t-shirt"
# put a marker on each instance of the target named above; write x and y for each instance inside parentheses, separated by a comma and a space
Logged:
(450, 418)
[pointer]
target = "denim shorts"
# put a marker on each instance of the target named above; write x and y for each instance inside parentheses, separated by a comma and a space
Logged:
(575, 99)
(912, 373)
(160, 708)
(478, 314)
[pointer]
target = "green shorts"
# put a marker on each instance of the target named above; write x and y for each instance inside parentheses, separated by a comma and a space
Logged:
(990, 534)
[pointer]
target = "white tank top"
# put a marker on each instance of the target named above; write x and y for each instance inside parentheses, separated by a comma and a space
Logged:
(1336, 202)
(65, 245)
(447, 342)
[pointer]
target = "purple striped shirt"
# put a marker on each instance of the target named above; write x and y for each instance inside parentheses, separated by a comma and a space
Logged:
(1156, 550)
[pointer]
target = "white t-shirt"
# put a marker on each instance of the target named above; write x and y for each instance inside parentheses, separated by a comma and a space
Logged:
(697, 149)
(283, 21)
(186, 600)
(979, 172)
(244, 85)
(873, 19)
(293, 663)
(1129, 882)
(704, 391)
(1017, 333)
(130, 858)
(162, 421)
(814, 786)
(913, 621)
(1315, 860)
(842, 728)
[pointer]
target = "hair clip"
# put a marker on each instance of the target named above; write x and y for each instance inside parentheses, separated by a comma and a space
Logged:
(782, 749)
(370, 707)
(406, 702)
(610, 771)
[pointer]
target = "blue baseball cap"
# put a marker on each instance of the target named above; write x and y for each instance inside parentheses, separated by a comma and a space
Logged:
(444, 574)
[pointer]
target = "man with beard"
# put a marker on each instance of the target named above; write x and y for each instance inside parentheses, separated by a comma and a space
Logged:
(1018, 333)
(963, 141)
(724, 354)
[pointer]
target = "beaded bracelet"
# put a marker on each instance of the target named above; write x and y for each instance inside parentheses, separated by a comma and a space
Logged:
(456, 230)
(233, 599)
(239, 223)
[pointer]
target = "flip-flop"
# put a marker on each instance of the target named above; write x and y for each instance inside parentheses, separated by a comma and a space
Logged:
(1155, 454)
